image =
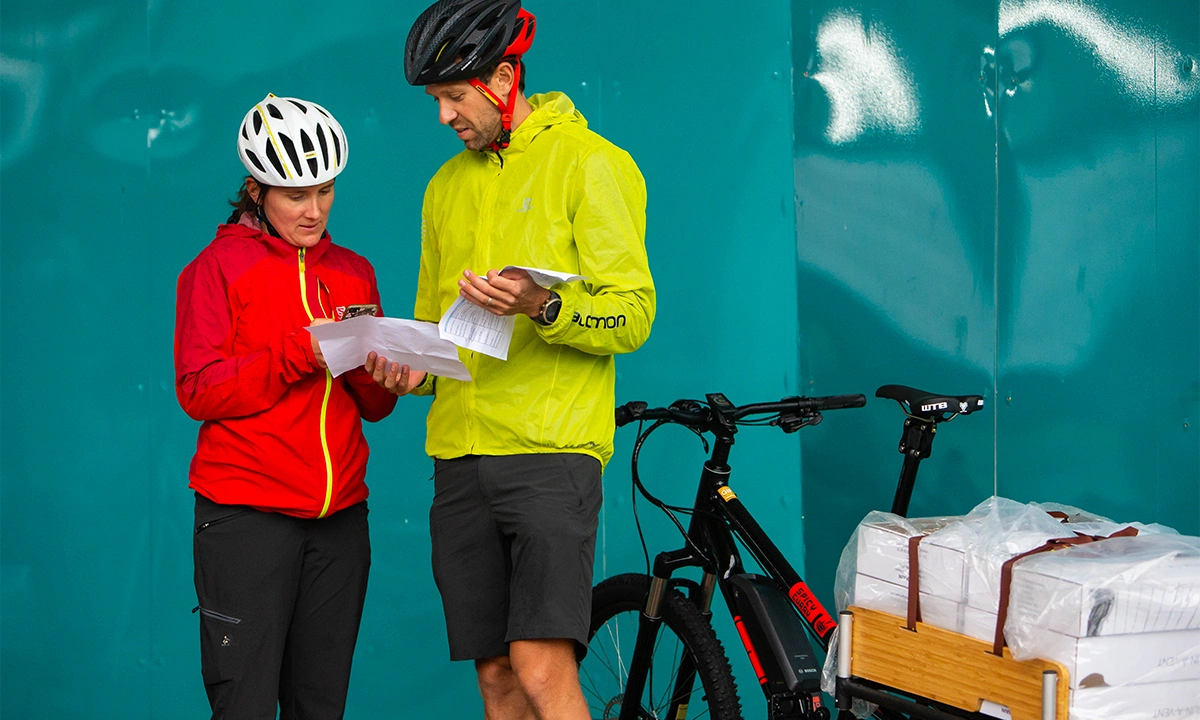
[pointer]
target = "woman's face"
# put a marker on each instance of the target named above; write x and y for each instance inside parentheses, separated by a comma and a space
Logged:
(299, 214)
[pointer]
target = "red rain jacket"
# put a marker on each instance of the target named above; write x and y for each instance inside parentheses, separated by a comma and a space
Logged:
(280, 434)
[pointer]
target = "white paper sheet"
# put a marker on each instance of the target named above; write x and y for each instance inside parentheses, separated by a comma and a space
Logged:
(345, 345)
(473, 328)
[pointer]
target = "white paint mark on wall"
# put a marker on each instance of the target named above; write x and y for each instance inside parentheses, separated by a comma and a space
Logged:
(869, 87)
(1129, 52)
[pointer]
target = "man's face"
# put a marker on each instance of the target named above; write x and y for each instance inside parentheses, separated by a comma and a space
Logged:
(467, 112)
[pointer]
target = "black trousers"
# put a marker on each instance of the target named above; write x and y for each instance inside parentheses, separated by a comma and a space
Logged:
(280, 603)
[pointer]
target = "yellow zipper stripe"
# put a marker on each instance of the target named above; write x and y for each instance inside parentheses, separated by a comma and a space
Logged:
(324, 402)
(325, 446)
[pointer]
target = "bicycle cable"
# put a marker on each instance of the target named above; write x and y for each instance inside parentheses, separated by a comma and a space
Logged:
(667, 509)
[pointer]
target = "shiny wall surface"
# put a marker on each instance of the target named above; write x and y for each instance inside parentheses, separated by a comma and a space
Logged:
(117, 125)
(1002, 199)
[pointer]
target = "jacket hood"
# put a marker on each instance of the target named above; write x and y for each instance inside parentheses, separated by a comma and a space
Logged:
(548, 109)
(248, 228)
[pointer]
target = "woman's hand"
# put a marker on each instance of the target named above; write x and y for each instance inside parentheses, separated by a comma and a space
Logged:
(316, 346)
(395, 378)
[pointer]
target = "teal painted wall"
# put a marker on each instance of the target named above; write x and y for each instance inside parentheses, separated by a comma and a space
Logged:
(117, 123)
(1006, 201)
(1001, 198)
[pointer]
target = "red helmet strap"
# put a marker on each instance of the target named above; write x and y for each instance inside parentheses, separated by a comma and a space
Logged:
(506, 108)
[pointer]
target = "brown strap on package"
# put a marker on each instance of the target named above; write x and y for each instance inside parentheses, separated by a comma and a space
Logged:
(914, 583)
(998, 641)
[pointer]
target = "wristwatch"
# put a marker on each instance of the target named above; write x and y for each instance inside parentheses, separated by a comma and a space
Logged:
(549, 312)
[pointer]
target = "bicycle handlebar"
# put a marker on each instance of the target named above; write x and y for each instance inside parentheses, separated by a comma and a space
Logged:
(695, 414)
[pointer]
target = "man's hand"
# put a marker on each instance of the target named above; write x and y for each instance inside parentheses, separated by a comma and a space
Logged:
(504, 293)
(316, 347)
(396, 379)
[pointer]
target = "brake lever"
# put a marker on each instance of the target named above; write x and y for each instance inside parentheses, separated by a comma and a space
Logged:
(791, 422)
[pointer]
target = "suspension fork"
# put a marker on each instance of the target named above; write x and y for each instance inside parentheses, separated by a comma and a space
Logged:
(701, 535)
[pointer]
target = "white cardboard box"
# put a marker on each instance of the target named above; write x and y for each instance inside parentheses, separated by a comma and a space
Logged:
(1155, 701)
(1106, 596)
(883, 547)
(1113, 660)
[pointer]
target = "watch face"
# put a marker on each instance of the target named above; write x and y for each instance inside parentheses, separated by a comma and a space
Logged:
(552, 309)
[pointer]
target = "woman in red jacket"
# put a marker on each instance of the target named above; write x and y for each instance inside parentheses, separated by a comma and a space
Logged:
(281, 545)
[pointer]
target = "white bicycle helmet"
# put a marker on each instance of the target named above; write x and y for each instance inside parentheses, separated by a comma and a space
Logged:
(290, 142)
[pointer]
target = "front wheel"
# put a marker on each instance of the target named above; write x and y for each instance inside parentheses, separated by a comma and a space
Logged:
(685, 640)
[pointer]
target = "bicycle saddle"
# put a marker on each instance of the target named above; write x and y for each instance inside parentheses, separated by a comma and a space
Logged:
(930, 405)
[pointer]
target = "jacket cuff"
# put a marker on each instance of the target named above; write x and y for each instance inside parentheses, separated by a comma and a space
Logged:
(298, 356)
(555, 332)
(426, 386)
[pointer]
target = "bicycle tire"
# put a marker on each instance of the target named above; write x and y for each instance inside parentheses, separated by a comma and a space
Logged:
(616, 606)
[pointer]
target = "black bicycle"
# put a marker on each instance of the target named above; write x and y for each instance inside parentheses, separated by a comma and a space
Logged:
(651, 637)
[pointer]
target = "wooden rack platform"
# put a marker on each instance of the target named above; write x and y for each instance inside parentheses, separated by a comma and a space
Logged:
(949, 667)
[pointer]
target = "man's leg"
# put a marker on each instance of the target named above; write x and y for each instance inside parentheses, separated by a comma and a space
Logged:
(549, 677)
(503, 698)
(548, 505)
(320, 645)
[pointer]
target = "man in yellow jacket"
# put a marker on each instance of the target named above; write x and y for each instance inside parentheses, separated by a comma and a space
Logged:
(519, 450)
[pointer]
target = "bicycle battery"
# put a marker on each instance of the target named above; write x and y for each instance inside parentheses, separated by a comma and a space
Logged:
(777, 641)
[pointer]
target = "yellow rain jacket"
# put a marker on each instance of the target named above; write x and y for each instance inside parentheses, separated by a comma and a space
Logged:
(562, 198)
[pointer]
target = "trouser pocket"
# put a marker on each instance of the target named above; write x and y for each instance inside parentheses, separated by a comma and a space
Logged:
(223, 639)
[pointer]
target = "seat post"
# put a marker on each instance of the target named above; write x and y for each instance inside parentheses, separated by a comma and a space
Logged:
(916, 444)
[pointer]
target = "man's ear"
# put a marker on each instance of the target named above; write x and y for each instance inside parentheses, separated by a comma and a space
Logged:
(502, 79)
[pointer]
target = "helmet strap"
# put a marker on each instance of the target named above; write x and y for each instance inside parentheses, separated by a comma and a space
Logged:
(505, 108)
(264, 223)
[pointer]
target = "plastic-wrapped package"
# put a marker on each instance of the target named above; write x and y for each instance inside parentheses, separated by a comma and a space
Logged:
(873, 573)
(962, 561)
(879, 549)
(1119, 612)
(1122, 615)
(1072, 513)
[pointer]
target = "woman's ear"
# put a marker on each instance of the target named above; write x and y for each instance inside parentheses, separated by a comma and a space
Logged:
(252, 189)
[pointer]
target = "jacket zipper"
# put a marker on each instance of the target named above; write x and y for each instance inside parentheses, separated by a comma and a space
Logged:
(481, 258)
(324, 402)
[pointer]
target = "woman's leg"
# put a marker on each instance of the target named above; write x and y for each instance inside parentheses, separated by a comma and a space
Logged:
(247, 572)
(325, 620)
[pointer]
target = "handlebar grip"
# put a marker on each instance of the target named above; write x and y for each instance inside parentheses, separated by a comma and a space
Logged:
(629, 412)
(836, 402)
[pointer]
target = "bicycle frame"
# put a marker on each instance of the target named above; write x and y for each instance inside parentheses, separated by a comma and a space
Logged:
(718, 523)
(718, 518)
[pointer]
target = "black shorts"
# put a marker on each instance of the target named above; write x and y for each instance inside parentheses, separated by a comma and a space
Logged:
(514, 538)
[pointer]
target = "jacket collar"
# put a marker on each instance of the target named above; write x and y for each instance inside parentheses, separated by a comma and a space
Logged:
(547, 110)
(278, 247)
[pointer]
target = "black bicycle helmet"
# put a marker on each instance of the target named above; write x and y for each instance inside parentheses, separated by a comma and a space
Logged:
(457, 39)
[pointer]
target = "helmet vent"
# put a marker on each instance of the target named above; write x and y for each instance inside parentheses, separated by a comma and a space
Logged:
(324, 147)
(274, 111)
(303, 108)
(274, 160)
(257, 163)
(322, 111)
(257, 122)
(337, 150)
(291, 151)
(244, 132)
